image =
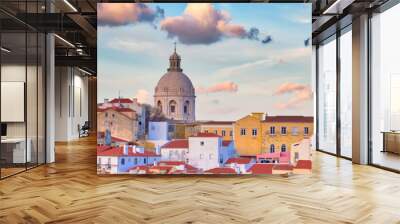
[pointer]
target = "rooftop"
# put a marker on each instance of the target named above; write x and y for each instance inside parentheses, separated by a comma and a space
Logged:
(239, 160)
(299, 119)
(176, 144)
(121, 100)
(207, 135)
(221, 170)
(119, 151)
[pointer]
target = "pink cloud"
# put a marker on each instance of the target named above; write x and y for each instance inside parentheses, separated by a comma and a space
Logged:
(220, 87)
(301, 93)
(116, 14)
(201, 23)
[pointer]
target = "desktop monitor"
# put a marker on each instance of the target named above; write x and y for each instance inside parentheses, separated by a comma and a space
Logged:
(3, 129)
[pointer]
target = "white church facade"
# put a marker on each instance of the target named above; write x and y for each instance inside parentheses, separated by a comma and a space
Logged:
(174, 94)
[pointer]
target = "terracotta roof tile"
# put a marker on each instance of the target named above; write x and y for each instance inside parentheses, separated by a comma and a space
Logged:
(176, 144)
(226, 143)
(300, 119)
(202, 134)
(121, 100)
(221, 170)
(261, 168)
(239, 160)
(304, 164)
(283, 167)
(119, 151)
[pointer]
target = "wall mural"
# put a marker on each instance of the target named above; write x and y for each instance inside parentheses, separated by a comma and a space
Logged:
(204, 88)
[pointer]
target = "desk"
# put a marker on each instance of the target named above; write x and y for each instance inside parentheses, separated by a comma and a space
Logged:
(391, 141)
(13, 150)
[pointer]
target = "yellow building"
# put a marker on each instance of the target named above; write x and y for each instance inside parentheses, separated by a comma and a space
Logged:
(222, 128)
(255, 134)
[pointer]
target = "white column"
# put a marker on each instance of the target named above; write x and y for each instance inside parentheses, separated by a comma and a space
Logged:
(360, 90)
(50, 98)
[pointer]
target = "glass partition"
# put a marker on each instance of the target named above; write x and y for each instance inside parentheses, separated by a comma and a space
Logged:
(385, 89)
(346, 93)
(327, 96)
(22, 77)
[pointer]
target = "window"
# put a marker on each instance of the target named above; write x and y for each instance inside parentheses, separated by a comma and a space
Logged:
(202, 143)
(283, 148)
(305, 130)
(283, 130)
(243, 131)
(223, 132)
(109, 163)
(206, 131)
(272, 130)
(136, 161)
(106, 114)
(385, 88)
(216, 132)
(172, 105)
(272, 148)
(112, 115)
(99, 161)
(123, 161)
(185, 109)
(295, 131)
(145, 161)
(345, 83)
(254, 132)
(231, 133)
(327, 98)
(296, 156)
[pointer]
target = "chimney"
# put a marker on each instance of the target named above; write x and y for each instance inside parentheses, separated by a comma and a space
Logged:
(126, 149)
(258, 115)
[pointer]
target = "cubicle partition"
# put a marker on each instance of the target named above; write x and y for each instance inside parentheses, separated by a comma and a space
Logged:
(22, 77)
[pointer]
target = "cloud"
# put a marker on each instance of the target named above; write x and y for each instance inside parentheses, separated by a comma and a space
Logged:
(119, 14)
(278, 57)
(307, 42)
(220, 87)
(201, 23)
(267, 39)
(142, 96)
(300, 94)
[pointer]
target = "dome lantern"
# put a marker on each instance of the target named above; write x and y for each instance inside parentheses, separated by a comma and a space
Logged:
(175, 61)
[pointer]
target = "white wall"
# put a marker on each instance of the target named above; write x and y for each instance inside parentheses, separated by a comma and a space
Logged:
(71, 102)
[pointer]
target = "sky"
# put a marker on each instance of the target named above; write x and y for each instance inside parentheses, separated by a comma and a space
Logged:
(241, 58)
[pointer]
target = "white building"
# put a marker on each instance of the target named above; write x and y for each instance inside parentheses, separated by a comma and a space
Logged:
(301, 151)
(131, 104)
(206, 151)
(114, 160)
(175, 150)
(158, 134)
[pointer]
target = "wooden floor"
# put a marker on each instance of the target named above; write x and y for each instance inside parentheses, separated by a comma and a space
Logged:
(69, 191)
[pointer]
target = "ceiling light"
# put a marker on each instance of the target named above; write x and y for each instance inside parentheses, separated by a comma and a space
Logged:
(84, 71)
(333, 6)
(70, 5)
(64, 40)
(5, 50)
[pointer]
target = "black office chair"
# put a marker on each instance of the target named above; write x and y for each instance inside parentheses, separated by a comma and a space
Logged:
(84, 130)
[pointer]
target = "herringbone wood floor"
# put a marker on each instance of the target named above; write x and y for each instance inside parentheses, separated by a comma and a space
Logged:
(69, 191)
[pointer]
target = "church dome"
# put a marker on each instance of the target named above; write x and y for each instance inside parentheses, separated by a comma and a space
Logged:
(174, 82)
